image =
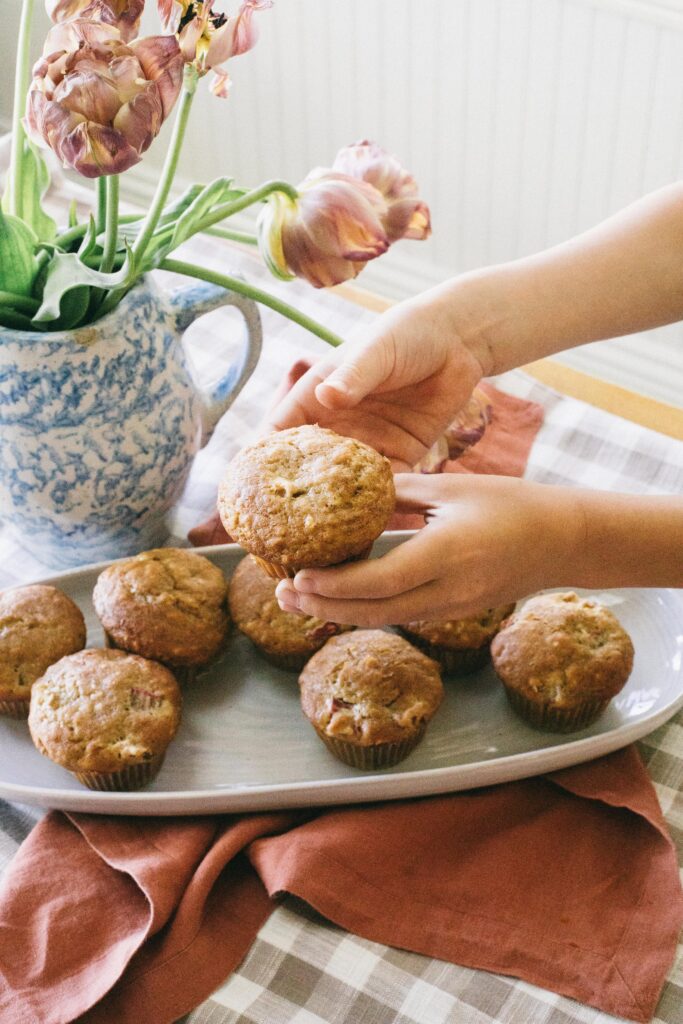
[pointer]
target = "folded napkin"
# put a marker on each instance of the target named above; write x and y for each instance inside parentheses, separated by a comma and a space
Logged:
(568, 881)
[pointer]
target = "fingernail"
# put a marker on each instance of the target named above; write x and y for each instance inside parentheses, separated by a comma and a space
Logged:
(304, 583)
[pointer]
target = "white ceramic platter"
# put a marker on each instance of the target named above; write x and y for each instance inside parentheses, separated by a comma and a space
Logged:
(244, 745)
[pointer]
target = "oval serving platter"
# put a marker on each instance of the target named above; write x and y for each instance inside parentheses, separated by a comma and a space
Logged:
(244, 745)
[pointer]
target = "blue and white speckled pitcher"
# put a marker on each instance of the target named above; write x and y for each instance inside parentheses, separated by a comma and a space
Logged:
(99, 426)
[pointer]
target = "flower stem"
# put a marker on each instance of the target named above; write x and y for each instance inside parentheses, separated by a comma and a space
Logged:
(21, 303)
(21, 83)
(75, 234)
(111, 230)
(101, 219)
(170, 165)
(234, 236)
(256, 195)
(235, 284)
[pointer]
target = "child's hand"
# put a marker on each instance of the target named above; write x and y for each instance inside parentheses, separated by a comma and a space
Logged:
(396, 387)
(488, 541)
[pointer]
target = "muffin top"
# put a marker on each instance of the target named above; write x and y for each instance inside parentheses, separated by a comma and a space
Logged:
(256, 613)
(168, 604)
(562, 649)
(103, 710)
(370, 687)
(306, 497)
(38, 625)
(461, 634)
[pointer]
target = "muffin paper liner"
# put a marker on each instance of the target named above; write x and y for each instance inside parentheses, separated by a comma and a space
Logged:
(184, 673)
(452, 661)
(133, 776)
(288, 572)
(14, 708)
(553, 719)
(290, 662)
(372, 756)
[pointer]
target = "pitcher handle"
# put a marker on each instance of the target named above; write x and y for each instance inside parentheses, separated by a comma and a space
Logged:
(187, 304)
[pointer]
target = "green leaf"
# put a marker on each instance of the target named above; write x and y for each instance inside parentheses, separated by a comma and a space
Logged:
(16, 321)
(17, 260)
(89, 241)
(65, 273)
(73, 213)
(169, 215)
(35, 181)
(217, 193)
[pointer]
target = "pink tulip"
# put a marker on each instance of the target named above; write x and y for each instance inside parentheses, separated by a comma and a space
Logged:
(121, 14)
(209, 38)
(407, 216)
(328, 234)
(468, 427)
(99, 102)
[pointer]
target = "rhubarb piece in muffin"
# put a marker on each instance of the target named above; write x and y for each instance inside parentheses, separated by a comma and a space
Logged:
(168, 604)
(106, 716)
(286, 640)
(306, 497)
(370, 696)
(38, 625)
(459, 645)
(561, 659)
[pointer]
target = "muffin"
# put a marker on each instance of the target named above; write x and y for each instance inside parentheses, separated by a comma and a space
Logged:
(306, 497)
(561, 659)
(459, 645)
(106, 716)
(168, 604)
(286, 640)
(370, 696)
(38, 625)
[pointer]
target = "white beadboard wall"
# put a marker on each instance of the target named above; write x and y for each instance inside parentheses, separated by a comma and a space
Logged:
(524, 122)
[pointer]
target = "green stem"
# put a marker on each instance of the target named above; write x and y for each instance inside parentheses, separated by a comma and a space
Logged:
(233, 236)
(21, 84)
(8, 318)
(75, 234)
(101, 218)
(111, 232)
(170, 164)
(22, 303)
(235, 284)
(256, 195)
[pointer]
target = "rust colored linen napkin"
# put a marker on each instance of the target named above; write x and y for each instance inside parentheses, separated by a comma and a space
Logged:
(568, 881)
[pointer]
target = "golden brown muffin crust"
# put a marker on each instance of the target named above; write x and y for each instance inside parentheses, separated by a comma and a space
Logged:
(462, 634)
(306, 497)
(38, 625)
(563, 649)
(100, 710)
(168, 604)
(256, 613)
(370, 687)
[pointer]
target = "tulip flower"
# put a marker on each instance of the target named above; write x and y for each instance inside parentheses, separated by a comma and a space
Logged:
(209, 38)
(407, 216)
(121, 14)
(99, 102)
(467, 428)
(328, 234)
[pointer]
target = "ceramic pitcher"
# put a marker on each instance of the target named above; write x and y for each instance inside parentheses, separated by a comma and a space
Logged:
(99, 426)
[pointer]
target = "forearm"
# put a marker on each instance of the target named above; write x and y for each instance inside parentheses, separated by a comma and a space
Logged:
(627, 540)
(623, 276)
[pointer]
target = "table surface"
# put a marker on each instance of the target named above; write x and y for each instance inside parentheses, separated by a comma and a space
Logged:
(302, 969)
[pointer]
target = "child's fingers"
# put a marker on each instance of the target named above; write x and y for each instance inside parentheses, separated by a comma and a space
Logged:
(422, 492)
(425, 601)
(294, 410)
(409, 565)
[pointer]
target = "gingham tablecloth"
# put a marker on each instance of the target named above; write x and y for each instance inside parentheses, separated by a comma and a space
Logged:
(302, 969)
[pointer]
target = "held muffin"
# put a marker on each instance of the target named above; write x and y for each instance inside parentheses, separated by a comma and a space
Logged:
(38, 625)
(168, 604)
(370, 696)
(106, 716)
(306, 497)
(459, 645)
(286, 640)
(561, 659)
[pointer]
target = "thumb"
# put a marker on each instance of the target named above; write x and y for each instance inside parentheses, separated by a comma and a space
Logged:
(362, 371)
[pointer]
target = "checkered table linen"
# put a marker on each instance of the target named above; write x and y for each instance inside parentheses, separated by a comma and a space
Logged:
(302, 969)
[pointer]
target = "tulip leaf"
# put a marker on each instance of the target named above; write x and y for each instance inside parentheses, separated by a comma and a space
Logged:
(89, 240)
(187, 224)
(16, 321)
(65, 273)
(169, 215)
(17, 255)
(35, 181)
